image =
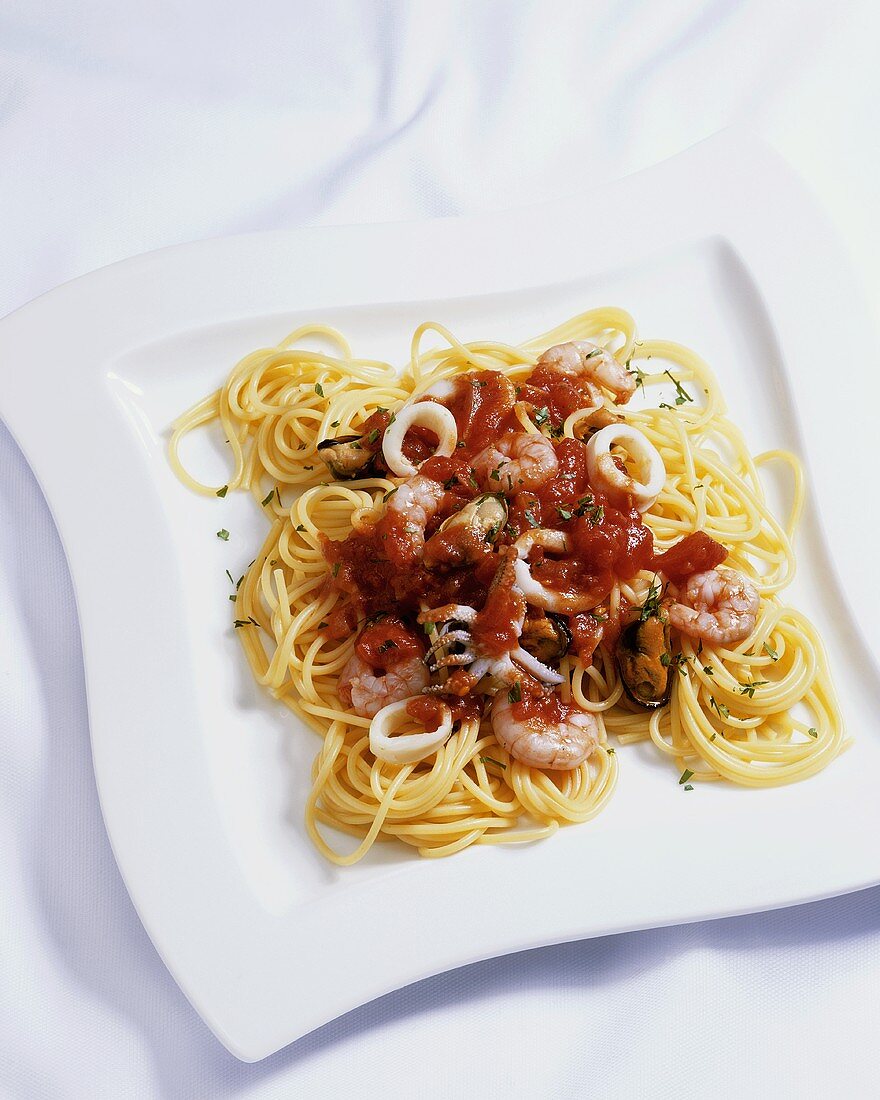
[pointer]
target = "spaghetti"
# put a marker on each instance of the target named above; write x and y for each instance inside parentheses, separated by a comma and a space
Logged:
(755, 708)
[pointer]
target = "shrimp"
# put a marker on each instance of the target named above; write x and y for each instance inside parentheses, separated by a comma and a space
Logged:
(407, 513)
(719, 606)
(562, 744)
(518, 460)
(580, 357)
(366, 693)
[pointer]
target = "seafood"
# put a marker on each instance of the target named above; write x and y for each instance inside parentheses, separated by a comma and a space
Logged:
(640, 653)
(546, 637)
(537, 594)
(562, 742)
(367, 690)
(719, 606)
(346, 457)
(405, 748)
(606, 475)
(427, 414)
(407, 514)
(467, 535)
(580, 357)
(519, 459)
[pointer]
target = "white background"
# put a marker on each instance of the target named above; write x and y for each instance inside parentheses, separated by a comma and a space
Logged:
(125, 127)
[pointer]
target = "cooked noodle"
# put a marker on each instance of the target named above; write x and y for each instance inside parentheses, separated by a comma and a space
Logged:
(279, 403)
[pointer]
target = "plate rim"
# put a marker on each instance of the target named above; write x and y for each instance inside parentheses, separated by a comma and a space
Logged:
(710, 189)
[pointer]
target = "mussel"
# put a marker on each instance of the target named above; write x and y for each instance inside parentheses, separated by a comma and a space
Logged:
(465, 536)
(346, 457)
(547, 638)
(644, 661)
(486, 516)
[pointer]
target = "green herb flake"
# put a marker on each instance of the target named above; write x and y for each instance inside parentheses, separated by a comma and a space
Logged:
(336, 569)
(685, 776)
(651, 606)
(268, 498)
(428, 628)
(390, 494)
(720, 707)
(665, 660)
(750, 688)
(541, 416)
(770, 651)
(709, 670)
(813, 732)
(335, 424)
(228, 574)
(681, 394)
(688, 786)
(233, 597)
(373, 436)
(222, 491)
(530, 517)
(300, 527)
(515, 693)
(319, 389)
(473, 481)
(223, 534)
(564, 513)
(492, 760)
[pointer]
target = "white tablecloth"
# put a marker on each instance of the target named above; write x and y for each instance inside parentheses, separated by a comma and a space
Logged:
(124, 127)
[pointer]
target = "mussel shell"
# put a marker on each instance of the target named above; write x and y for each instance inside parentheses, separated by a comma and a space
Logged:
(545, 645)
(640, 648)
(338, 472)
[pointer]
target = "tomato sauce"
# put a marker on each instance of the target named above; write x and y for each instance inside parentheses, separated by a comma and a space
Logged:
(429, 709)
(383, 567)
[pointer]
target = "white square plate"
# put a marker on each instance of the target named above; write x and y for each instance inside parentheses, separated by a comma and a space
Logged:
(203, 780)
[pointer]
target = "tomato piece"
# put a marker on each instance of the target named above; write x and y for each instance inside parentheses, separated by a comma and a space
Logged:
(695, 553)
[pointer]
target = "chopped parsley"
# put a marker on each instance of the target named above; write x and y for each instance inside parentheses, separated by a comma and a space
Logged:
(232, 597)
(749, 689)
(300, 527)
(770, 651)
(319, 389)
(530, 516)
(720, 707)
(813, 732)
(473, 480)
(223, 534)
(651, 606)
(492, 760)
(222, 491)
(681, 394)
(688, 786)
(428, 628)
(336, 569)
(541, 416)
(373, 436)
(335, 424)
(390, 494)
(515, 693)
(268, 498)
(709, 670)
(249, 621)
(564, 513)
(685, 776)
(228, 574)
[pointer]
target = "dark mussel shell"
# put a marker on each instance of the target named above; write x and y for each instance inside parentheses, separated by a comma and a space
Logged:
(547, 639)
(345, 457)
(644, 661)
